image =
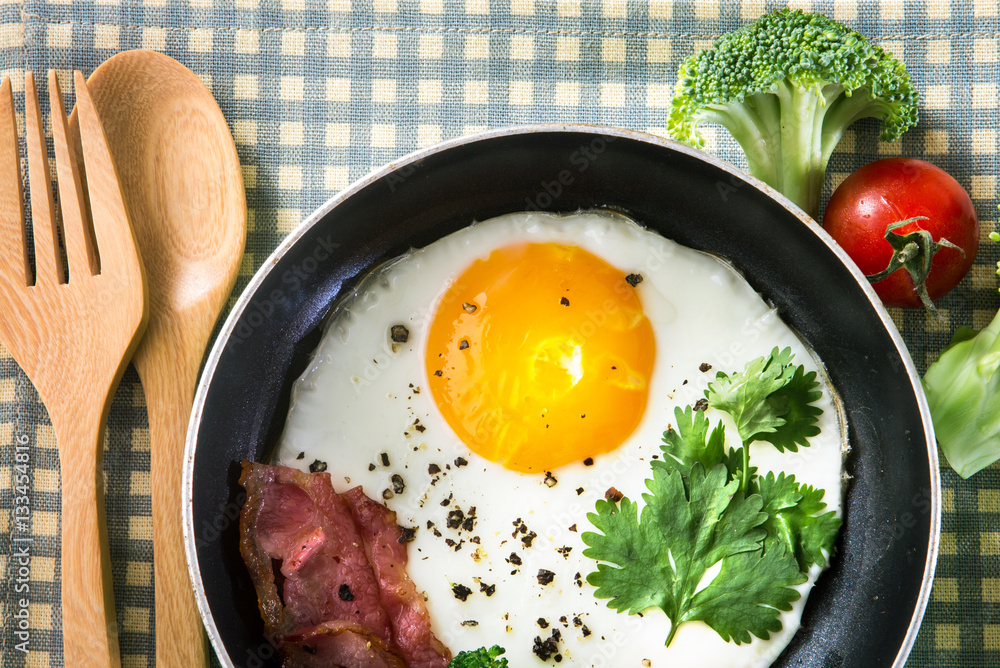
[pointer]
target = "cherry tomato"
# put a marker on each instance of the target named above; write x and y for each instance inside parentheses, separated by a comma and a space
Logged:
(894, 189)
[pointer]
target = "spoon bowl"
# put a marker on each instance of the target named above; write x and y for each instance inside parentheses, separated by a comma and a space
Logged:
(183, 185)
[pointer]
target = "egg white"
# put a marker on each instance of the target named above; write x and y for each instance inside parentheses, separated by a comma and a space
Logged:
(363, 396)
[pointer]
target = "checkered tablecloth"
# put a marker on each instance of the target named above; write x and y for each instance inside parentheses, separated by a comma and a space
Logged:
(319, 92)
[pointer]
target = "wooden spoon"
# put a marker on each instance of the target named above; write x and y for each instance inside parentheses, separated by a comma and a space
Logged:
(184, 189)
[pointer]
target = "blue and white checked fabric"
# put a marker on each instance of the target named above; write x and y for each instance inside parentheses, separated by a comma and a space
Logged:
(317, 93)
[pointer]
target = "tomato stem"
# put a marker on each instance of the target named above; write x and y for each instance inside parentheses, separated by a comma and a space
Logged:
(913, 252)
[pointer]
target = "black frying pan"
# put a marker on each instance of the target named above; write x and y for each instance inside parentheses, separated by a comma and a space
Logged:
(864, 611)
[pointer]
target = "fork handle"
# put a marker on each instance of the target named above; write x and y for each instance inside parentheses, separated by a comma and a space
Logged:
(90, 629)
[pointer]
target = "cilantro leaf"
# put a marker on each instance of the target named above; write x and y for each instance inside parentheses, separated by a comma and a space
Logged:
(658, 558)
(770, 400)
(796, 519)
(690, 442)
(794, 403)
(480, 658)
(746, 595)
(744, 394)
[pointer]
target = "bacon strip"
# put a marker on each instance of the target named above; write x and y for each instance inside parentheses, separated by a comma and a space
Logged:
(336, 645)
(330, 574)
(386, 552)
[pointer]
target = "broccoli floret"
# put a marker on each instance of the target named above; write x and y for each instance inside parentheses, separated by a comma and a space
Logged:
(786, 87)
(480, 658)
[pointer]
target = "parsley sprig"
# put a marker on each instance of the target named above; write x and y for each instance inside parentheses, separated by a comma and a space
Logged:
(707, 508)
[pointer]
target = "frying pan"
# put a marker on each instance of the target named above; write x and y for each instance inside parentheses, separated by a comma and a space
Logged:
(865, 609)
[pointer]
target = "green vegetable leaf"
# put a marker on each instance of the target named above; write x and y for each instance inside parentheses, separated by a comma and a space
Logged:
(744, 394)
(689, 442)
(963, 393)
(794, 402)
(480, 658)
(746, 595)
(770, 400)
(796, 521)
(687, 526)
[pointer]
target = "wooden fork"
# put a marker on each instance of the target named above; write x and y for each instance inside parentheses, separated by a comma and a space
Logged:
(73, 335)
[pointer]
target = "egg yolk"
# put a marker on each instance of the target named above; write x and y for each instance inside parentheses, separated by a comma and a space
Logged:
(540, 355)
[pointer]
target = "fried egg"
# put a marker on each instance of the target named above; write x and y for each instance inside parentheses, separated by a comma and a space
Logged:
(491, 387)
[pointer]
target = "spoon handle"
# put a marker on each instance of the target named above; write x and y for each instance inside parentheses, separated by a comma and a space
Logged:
(169, 380)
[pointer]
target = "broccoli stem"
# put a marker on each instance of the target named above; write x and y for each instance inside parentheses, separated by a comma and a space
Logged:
(756, 126)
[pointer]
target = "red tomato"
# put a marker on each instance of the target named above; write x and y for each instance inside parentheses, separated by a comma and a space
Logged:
(894, 189)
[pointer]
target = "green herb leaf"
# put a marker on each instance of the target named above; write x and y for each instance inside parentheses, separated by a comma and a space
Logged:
(746, 595)
(770, 400)
(480, 658)
(795, 519)
(687, 526)
(794, 403)
(744, 394)
(689, 443)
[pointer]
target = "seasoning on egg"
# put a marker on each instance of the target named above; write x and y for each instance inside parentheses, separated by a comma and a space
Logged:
(545, 577)
(548, 648)
(397, 483)
(317, 466)
(470, 519)
(455, 518)
(550, 480)
(613, 495)
(461, 592)
(704, 366)
(399, 334)
(633, 279)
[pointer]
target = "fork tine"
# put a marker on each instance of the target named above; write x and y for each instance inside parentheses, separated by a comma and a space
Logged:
(115, 239)
(80, 253)
(12, 234)
(48, 265)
